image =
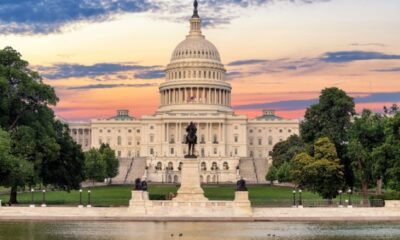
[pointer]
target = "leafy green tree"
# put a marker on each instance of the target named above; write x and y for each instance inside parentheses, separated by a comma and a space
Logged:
(387, 155)
(111, 160)
(365, 134)
(331, 118)
(392, 109)
(284, 172)
(26, 115)
(272, 174)
(284, 151)
(95, 165)
(14, 171)
(321, 173)
(67, 169)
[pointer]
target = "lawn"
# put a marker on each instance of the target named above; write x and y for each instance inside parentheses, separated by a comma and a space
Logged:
(119, 195)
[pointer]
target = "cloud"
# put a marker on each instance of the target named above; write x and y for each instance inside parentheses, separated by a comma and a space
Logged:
(150, 74)
(396, 69)
(49, 16)
(247, 62)
(305, 65)
(64, 70)
(305, 103)
(107, 86)
(367, 45)
(351, 56)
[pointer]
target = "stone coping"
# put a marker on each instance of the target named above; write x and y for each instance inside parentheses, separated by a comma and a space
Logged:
(259, 214)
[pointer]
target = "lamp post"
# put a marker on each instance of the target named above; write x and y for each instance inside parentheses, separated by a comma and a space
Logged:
(300, 199)
(80, 199)
(32, 198)
(294, 198)
(44, 198)
(350, 203)
(89, 206)
(340, 198)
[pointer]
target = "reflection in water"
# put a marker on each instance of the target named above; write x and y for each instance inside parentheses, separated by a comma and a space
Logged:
(196, 231)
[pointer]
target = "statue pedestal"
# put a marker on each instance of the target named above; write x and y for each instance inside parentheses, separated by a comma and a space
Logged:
(190, 190)
(137, 204)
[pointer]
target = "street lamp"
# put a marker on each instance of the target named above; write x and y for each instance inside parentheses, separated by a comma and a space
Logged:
(350, 203)
(44, 198)
(32, 198)
(80, 199)
(89, 206)
(340, 198)
(294, 198)
(300, 199)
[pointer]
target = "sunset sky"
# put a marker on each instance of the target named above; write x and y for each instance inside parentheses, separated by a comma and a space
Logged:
(103, 55)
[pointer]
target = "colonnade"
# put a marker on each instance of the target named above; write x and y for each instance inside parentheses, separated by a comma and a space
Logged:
(202, 95)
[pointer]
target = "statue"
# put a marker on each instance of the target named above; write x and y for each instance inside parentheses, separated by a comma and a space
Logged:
(191, 139)
(138, 184)
(144, 185)
(241, 185)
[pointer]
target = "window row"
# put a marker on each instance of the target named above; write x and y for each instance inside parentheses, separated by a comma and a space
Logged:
(196, 53)
(195, 74)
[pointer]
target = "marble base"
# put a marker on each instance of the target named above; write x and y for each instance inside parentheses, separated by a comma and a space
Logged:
(190, 190)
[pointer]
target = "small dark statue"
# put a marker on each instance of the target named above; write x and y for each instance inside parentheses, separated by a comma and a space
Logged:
(140, 185)
(241, 185)
(191, 139)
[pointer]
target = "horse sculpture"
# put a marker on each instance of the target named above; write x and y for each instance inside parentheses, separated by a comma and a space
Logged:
(191, 139)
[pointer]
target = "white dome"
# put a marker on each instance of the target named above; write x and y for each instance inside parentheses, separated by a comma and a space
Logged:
(196, 47)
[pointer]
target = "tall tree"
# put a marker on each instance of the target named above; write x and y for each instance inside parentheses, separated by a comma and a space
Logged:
(331, 118)
(284, 151)
(25, 113)
(365, 135)
(95, 165)
(111, 160)
(321, 173)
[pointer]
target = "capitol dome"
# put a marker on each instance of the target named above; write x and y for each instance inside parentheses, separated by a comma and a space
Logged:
(196, 47)
(195, 76)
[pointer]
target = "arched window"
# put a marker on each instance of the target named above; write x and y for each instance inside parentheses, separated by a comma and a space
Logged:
(170, 166)
(214, 166)
(180, 166)
(225, 166)
(203, 166)
(159, 166)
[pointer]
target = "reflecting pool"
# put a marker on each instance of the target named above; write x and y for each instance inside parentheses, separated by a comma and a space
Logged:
(196, 231)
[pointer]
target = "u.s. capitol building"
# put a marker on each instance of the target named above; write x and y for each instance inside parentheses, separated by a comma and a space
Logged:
(195, 89)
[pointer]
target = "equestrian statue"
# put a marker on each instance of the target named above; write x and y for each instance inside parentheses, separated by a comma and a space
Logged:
(191, 140)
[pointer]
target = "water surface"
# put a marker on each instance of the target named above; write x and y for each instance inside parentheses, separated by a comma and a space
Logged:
(196, 231)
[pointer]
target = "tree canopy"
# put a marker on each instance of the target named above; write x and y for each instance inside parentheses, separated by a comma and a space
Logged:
(37, 138)
(321, 173)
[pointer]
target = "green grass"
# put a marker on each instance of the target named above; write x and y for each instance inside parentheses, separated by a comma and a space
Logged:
(118, 195)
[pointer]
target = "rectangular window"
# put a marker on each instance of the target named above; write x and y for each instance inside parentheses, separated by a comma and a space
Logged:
(259, 141)
(119, 153)
(236, 138)
(172, 151)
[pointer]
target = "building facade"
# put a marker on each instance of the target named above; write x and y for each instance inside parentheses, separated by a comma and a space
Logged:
(195, 90)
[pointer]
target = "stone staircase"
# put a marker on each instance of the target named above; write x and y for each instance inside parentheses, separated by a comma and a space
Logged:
(261, 169)
(247, 170)
(124, 166)
(136, 170)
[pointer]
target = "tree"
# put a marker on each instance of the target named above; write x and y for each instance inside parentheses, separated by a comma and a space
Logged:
(321, 173)
(284, 151)
(272, 174)
(14, 171)
(387, 155)
(95, 165)
(365, 135)
(111, 160)
(331, 118)
(26, 115)
(67, 169)
(392, 109)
